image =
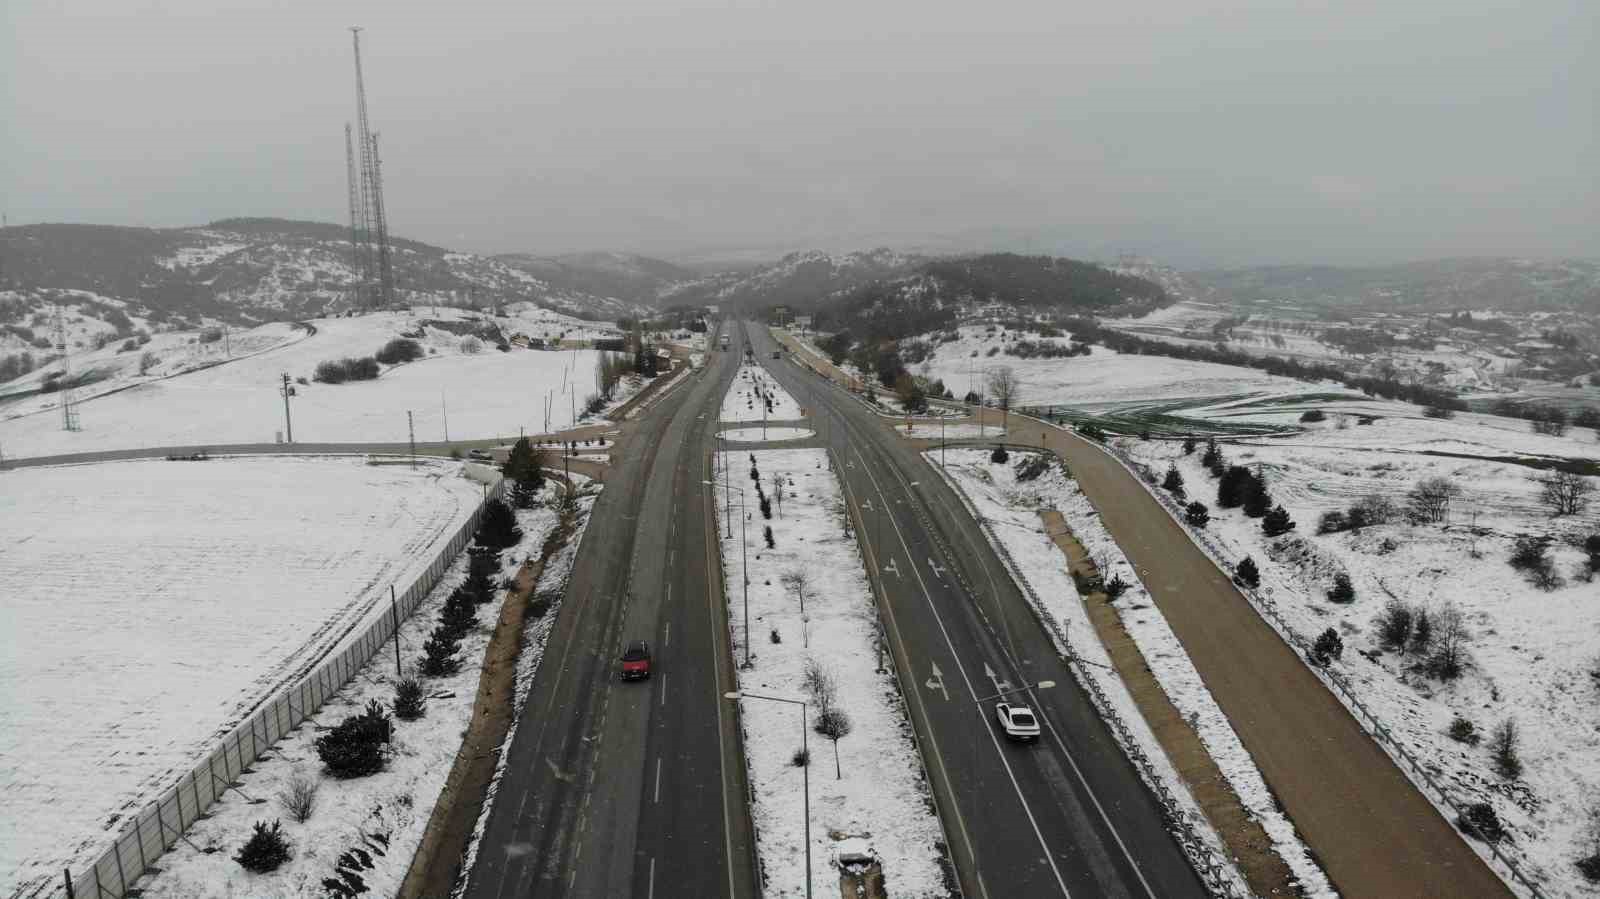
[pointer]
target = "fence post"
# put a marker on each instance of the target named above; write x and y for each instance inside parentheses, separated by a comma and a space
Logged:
(67, 873)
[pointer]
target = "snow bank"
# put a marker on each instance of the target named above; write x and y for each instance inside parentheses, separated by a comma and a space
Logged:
(756, 395)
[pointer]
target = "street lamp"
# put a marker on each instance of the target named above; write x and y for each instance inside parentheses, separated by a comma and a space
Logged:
(805, 770)
(744, 556)
(723, 454)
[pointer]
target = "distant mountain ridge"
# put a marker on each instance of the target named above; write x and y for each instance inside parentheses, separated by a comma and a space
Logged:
(1440, 284)
(801, 280)
(625, 276)
(259, 269)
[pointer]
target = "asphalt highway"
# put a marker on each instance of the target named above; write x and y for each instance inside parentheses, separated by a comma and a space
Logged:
(1067, 816)
(633, 789)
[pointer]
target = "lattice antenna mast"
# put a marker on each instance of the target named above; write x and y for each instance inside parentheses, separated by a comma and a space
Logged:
(69, 405)
(380, 224)
(376, 243)
(358, 225)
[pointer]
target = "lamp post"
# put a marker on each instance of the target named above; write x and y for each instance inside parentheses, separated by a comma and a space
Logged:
(723, 454)
(744, 563)
(805, 770)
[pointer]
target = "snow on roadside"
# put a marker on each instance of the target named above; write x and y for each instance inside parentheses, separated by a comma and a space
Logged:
(755, 435)
(552, 584)
(383, 816)
(1012, 507)
(1529, 651)
(879, 791)
(753, 388)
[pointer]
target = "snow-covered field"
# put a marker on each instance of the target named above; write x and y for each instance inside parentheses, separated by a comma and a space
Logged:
(383, 815)
(1011, 507)
(758, 435)
(877, 790)
(1102, 377)
(965, 431)
(1530, 653)
(756, 395)
(450, 392)
(149, 605)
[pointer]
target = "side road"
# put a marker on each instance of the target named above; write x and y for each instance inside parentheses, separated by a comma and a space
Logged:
(1373, 831)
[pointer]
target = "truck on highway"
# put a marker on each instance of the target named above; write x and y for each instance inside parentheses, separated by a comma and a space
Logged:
(724, 342)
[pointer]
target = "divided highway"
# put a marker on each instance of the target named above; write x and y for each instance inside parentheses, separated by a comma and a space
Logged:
(1068, 816)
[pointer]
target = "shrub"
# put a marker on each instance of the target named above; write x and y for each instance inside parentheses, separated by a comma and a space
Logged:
(1462, 731)
(766, 508)
(471, 346)
(1115, 587)
(1092, 431)
(1246, 573)
(439, 654)
(775, 637)
(1277, 522)
(399, 350)
(1329, 646)
(767, 533)
(538, 607)
(1032, 466)
(1332, 522)
(354, 748)
(1395, 625)
(408, 702)
(1421, 633)
(1438, 412)
(1313, 415)
(330, 371)
(1503, 749)
(147, 361)
(1342, 591)
(497, 528)
(1528, 553)
(1196, 514)
(1589, 867)
(210, 335)
(1479, 820)
(1173, 482)
(299, 797)
(265, 851)
(801, 758)
(1429, 499)
(999, 456)
(1374, 508)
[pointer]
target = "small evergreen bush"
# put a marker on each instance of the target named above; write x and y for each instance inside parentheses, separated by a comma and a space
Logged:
(1329, 646)
(354, 748)
(1197, 514)
(999, 455)
(1342, 590)
(266, 850)
(771, 543)
(408, 702)
(1277, 522)
(1246, 573)
(1462, 731)
(439, 654)
(1479, 820)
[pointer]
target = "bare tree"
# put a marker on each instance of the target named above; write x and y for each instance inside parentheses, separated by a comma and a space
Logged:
(798, 580)
(1003, 383)
(299, 797)
(1450, 636)
(821, 686)
(835, 725)
(1429, 499)
(1564, 492)
(777, 490)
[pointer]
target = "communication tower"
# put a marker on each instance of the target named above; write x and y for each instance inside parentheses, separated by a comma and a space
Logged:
(369, 228)
(69, 403)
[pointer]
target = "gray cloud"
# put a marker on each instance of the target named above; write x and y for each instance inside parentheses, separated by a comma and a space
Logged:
(1202, 131)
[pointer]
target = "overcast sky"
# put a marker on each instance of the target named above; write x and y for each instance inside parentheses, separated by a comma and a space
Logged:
(1200, 132)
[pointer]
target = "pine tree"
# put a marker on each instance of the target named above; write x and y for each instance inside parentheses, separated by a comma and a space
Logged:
(1188, 446)
(1197, 514)
(354, 748)
(1342, 590)
(1173, 482)
(459, 615)
(1277, 522)
(439, 654)
(497, 528)
(1247, 573)
(771, 543)
(408, 701)
(1234, 487)
(1257, 502)
(1212, 457)
(266, 850)
(1329, 646)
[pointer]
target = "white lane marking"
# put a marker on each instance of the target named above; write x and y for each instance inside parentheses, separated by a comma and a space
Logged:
(938, 571)
(652, 878)
(663, 702)
(891, 568)
(1000, 686)
(658, 779)
(1049, 854)
(937, 682)
(666, 639)
(1062, 746)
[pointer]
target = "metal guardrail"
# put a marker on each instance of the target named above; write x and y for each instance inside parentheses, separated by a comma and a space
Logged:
(1215, 873)
(1266, 607)
(155, 828)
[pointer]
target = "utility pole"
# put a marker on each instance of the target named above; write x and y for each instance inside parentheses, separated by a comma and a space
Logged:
(411, 433)
(288, 391)
(394, 612)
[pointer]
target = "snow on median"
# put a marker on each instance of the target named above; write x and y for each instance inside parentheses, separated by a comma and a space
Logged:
(876, 789)
(756, 396)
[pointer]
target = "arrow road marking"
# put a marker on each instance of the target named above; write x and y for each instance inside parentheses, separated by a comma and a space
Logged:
(891, 568)
(1000, 686)
(938, 572)
(866, 504)
(937, 682)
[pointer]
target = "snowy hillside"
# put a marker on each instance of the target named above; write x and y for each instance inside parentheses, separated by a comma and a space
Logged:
(798, 279)
(251, 270)
(227, 390)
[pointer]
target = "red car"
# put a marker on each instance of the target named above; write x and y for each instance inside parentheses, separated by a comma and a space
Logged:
(636, 661)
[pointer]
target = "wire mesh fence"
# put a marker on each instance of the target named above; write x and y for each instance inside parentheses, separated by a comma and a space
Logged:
(155, 828)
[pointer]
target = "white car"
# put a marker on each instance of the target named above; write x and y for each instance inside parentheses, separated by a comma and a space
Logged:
(1017, 721)
(479, 455)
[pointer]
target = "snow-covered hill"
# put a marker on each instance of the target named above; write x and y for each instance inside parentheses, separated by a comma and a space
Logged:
(253, 270)
(799, 280)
